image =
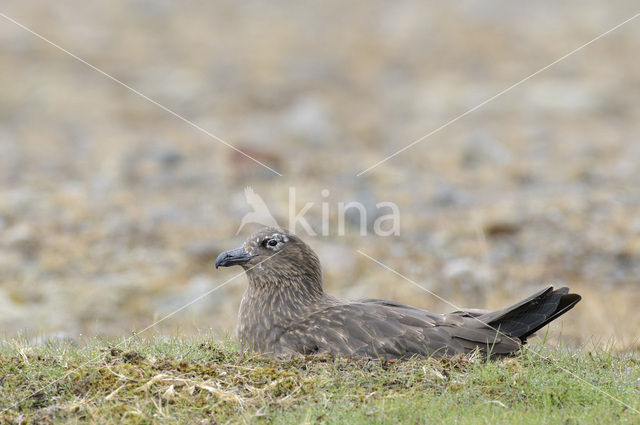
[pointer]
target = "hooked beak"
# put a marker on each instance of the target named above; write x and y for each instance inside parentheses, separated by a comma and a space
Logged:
(233, 257)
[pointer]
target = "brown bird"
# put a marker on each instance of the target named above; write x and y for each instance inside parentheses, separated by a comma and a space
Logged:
(286, 311)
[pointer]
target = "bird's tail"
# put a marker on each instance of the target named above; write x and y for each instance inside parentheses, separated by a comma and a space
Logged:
(521, 320)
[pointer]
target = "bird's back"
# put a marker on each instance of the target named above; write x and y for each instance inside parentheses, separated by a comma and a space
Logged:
(390, 329)
(379, 328)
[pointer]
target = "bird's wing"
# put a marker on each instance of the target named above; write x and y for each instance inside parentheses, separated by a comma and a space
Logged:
(404, 308)
(253, 198)
(261, 213)
(471, 312)
(423, 314)
(374, 330)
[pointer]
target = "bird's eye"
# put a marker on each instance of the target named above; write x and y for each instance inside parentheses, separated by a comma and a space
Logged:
(272, 242)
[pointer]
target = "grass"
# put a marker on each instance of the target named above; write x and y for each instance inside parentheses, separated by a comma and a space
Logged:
(200, 380)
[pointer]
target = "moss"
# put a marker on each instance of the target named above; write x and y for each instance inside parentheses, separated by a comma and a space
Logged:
(191, 381)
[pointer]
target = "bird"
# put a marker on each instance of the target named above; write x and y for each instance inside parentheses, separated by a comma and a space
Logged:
(285, 311)
(260, 214)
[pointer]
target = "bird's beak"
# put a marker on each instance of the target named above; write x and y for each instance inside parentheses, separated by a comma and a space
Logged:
(233, 257)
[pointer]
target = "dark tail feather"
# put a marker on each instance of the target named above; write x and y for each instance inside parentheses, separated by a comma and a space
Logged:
(567, 301)
(526, 317)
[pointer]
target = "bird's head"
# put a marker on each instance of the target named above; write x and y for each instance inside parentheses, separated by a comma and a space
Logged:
(274, 256)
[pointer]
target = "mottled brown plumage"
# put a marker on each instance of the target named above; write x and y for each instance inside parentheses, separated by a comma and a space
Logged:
(286, 311)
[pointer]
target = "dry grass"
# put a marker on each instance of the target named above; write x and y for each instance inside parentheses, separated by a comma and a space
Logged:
(198, 381)
(111, 210)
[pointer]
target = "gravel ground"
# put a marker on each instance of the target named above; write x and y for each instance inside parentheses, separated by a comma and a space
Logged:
(112, 209)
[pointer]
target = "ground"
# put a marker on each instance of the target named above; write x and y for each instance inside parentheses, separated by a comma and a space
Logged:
(200, 380)
(110, 201)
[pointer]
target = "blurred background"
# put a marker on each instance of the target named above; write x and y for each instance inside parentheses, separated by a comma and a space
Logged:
(112, 210)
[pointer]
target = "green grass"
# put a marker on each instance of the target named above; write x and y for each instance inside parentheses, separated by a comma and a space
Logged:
(202, 381)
